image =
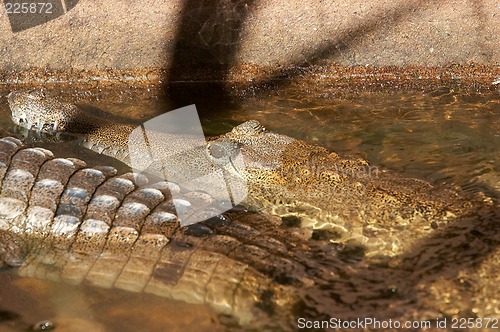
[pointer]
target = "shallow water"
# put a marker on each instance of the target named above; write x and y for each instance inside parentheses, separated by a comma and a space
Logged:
(439, 136)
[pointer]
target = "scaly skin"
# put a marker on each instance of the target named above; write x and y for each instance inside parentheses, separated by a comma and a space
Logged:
(62, 221)
(287, 177)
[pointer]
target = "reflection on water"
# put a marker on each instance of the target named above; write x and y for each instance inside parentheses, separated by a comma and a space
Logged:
(439, 136)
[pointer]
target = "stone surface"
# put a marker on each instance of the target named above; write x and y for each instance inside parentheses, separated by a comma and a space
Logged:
(223, 34)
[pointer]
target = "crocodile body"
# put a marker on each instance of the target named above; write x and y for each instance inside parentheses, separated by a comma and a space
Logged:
(63, 221)
(283, 175)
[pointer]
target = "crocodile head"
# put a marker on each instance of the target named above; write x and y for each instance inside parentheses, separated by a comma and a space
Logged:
(26, 106)
(37, 111)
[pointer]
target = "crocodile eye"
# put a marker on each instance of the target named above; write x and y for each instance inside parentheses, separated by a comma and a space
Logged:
(217, 150)
(225, 155)
(222, 150)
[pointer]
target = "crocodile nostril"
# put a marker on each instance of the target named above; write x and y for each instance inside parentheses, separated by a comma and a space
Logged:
(43, 326)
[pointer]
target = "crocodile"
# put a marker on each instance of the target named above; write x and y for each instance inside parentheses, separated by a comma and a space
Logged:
(345, 196)
(67, 222)
(63, 221)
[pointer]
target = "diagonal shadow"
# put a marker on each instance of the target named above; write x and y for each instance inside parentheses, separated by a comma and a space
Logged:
(205, 47)
(393, 15)
(207, 43)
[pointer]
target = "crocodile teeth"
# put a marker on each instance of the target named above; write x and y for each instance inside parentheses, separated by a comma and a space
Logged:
(116, 152)
(112, 151)
(122, 153)
(86, 144)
